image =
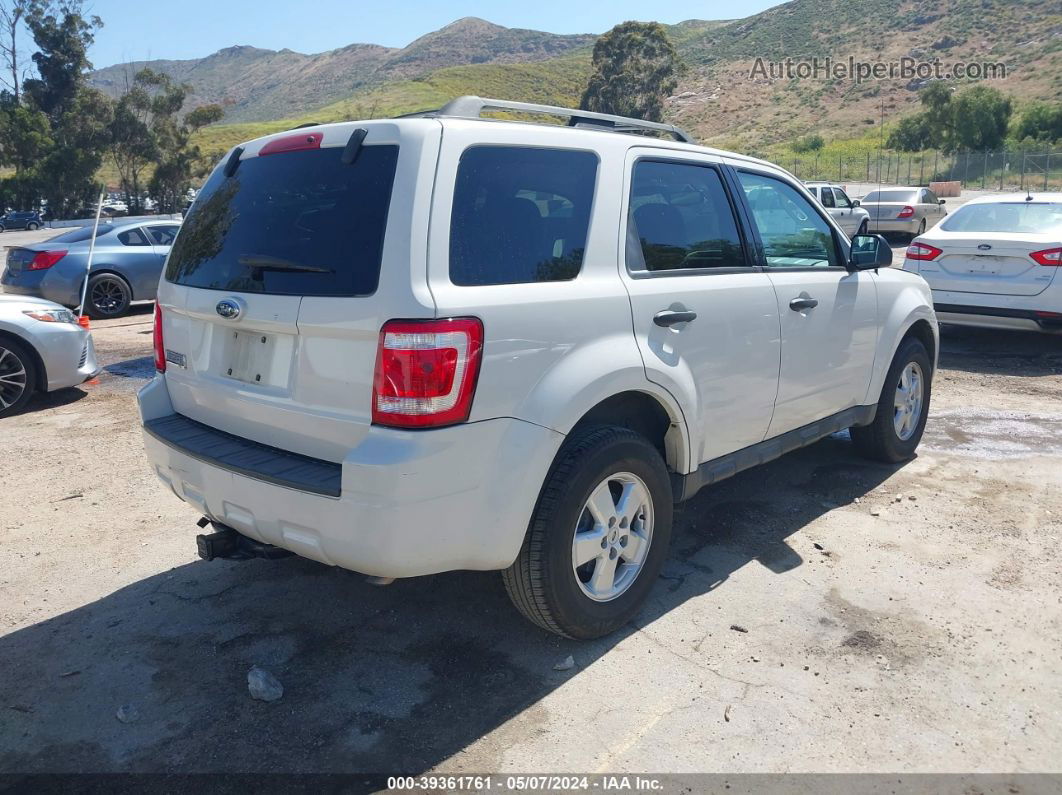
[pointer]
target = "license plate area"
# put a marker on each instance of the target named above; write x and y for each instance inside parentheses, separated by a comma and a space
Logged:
(254, 357)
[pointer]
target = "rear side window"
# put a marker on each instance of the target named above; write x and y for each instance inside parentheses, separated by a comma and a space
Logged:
(133, 237)
(520, 215)
(293, 223)
(680, 218)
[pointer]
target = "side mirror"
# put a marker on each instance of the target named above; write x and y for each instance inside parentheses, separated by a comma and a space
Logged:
(855, 202)
(942, 201)
(869, 252)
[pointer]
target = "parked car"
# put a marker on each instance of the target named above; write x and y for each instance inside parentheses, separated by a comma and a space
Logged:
(848, 213)
(42, 349)
(994, 262)
(115, 208)
(910, 211)
(126, 266)
(27, 219)
(404, 347)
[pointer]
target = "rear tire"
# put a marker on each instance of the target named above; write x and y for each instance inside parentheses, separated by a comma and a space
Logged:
(31, 227)
(18, 376)
(895, 432)
(622, 551)
(108, 296)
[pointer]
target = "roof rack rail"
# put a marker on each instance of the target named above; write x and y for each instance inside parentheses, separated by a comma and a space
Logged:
(470, 107)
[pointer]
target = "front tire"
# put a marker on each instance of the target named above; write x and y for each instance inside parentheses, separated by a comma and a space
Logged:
(862, 229)
(902, 410)
(18, 376)
(108, 296)
(598, 537)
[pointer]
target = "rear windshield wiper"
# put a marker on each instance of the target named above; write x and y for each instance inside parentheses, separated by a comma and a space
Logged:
(266, 263)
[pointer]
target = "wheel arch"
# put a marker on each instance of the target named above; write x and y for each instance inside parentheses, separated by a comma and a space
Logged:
(910, 316)
(42, 374)
(647, 414)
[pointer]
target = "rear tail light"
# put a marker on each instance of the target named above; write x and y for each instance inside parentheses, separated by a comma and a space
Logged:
(906, 212)
(45, 259)
(1049, 256)
(923, 251)
(156, 338)
(426, 372)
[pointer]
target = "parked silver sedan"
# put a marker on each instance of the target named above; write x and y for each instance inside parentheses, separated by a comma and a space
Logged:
(908, 210)
(42, 349)
(125, 267)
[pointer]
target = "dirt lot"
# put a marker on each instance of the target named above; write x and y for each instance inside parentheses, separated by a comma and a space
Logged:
(898, 618)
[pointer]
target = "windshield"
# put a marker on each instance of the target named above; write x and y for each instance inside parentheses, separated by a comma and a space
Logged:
(905, 196)
(296, 223)
(1036, 218)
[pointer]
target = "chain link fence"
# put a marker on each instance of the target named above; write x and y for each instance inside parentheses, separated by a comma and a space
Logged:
(1003, 171)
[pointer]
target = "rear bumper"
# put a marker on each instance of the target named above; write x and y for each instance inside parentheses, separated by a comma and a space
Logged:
(50, 284)
(997, 317)
(909, 226)
(410, 502)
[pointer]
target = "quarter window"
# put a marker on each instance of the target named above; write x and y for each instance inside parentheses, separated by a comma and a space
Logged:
(680, 218)
(794, 235)
(520, 215)
(133, 237)
(827, 197)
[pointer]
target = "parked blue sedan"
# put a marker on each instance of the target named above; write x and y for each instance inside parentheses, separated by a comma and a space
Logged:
(126, 266)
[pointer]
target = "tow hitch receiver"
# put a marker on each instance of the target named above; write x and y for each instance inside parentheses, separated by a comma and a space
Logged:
(229, 544)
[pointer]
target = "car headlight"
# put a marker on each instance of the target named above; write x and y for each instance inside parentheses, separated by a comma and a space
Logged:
(52, 315)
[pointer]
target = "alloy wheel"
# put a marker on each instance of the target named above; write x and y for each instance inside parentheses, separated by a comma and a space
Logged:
(908, 402)
(612, 536)
(108, 297)
(13, 378)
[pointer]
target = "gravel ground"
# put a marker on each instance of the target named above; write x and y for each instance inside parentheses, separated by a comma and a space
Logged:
(898, 619)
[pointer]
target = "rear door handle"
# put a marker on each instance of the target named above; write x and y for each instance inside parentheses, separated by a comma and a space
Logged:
(669, 317)
(800, 304)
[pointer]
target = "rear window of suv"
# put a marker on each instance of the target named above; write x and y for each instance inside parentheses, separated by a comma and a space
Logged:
(520, 214)
(292, 223)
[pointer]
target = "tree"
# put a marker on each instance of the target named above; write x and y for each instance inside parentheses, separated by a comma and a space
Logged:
(914, 133)
(181, 160)
(980, 116)
(635, 68)
(62, 36)
(1040, 121)
(11, 15)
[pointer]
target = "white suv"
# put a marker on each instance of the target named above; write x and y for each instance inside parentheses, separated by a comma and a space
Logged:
(446, 342)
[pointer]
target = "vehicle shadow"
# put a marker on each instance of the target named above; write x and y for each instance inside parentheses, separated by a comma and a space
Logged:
(377, 680)
(44, 401)
(1000, 351)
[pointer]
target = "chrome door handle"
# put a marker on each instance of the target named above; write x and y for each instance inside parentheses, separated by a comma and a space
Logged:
(800, 304)
(669, 317)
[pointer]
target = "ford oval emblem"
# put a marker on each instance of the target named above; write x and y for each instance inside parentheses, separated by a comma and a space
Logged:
(984, 247)
(228, 309)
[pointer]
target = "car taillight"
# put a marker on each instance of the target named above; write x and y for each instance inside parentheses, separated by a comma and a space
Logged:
(45, 259)
(923, 251)
(426, 372)
(156, 338)
(1049, 256)
(906, 212)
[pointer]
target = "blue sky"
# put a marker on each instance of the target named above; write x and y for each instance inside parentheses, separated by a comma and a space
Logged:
(193, 28)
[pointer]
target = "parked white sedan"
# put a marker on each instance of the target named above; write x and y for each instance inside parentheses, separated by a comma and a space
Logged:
(42, 348)
(994, 262)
